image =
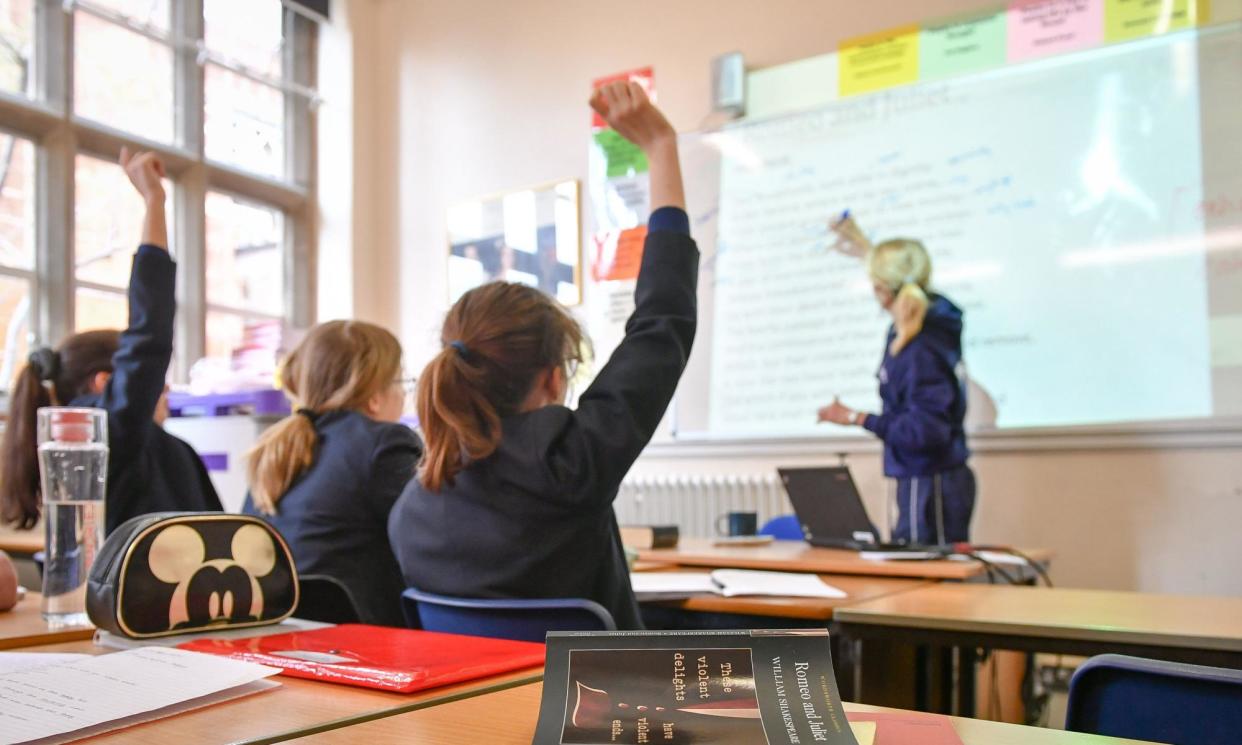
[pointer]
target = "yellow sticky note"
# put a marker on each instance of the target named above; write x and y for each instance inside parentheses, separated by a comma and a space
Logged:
(1133, 19)
(877, 61)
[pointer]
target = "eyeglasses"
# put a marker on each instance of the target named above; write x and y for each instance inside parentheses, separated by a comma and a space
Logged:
(407, 384)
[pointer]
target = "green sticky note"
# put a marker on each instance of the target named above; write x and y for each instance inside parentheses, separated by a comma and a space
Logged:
(623, 157)
(962, 46)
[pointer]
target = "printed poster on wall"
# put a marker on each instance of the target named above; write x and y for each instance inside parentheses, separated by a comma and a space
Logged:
(618, 190)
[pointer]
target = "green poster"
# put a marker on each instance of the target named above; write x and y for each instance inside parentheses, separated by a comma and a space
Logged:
(962, 46)
(623, 157)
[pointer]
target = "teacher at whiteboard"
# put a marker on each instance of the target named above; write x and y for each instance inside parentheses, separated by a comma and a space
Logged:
(922, 389)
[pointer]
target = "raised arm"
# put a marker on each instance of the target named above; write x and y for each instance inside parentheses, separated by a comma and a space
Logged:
(140, 365)
(619, 412)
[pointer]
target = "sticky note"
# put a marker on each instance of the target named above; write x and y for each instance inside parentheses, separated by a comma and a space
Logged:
(1038, 28)
(618, 255)
(1133, 19)
(962, 46)
(877, 61)
(623, 157)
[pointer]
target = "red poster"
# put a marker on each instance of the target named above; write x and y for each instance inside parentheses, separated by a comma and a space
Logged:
(618, 255)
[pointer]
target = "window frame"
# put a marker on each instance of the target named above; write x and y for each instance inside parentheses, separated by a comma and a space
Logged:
(59, 135)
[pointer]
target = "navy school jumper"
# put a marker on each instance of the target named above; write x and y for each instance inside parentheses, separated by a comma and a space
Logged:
(149, 470)
(922, 426)
(535, 518)
(335, 515)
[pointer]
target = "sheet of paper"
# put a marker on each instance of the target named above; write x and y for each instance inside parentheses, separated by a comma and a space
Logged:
(668, 585)
(11, 662)
(54, 700)
(898, 555)
(864, 732)
(748, 582)
(900, 728)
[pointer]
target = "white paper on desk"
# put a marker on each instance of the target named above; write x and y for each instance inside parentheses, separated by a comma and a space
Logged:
(671, 585)
(11, 662)
(734, 582)
(54, 700)
(993, 557)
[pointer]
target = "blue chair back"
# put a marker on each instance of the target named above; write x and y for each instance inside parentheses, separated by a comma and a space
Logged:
(783, 528)
(522, 620)
(1169, 702)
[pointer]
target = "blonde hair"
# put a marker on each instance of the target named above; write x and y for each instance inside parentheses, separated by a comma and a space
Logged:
(496, 340)
(903, 266)
(339, 365)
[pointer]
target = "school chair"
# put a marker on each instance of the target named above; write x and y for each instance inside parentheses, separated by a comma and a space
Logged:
(521, 620)
(325, 599)
(783, 528)
(1170, 702)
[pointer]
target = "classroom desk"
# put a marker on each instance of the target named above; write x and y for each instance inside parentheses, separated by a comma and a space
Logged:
(1203, 630)
(799, 556)
(960, 618)
(296, 708)
(21, 543)
(508, 718)
(23, 626)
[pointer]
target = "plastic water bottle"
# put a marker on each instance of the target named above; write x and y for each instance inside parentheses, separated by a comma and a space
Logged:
(73, 469)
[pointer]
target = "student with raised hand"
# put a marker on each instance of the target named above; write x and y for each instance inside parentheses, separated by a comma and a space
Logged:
(327, 476)
(122, 372)
(514, 495)
(923, 390)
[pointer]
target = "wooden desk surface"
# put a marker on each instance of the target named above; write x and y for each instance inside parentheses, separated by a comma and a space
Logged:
(799, 556)
(23, 626)
(1211, 623)
(508, 718)
(21, 542)
(296, 708)
(859, 590)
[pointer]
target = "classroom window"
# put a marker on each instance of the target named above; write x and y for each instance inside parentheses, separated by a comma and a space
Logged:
(17, 46)
(229, 107)
(17, 251)
(122, 78)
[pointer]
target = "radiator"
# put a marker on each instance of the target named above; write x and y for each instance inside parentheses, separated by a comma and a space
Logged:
(694, 501)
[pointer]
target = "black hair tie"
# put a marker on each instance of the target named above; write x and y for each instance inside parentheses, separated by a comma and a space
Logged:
(45, 362)
(310, 415)
(462, 350)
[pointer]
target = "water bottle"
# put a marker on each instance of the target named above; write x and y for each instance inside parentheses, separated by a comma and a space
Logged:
(73, 470)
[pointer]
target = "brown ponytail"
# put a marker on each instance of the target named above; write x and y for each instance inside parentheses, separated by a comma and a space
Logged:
(340, 365)
(497, 339)
(50, 378)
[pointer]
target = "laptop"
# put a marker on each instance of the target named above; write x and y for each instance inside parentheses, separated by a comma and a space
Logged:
(831, 511)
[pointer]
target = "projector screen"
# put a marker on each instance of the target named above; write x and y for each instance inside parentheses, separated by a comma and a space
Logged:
(1084, 210)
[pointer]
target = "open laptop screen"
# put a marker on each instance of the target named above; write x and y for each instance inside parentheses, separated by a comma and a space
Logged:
(828, 506)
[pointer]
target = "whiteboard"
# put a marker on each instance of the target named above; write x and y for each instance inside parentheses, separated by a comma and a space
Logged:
(1084, 210)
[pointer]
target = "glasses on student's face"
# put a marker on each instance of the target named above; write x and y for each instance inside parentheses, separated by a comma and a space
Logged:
(407, 385)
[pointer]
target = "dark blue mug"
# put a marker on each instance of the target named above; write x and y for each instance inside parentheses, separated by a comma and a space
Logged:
(738, 523)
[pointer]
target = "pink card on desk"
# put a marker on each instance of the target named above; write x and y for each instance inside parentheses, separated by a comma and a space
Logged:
(1038, 28)
(908, 728)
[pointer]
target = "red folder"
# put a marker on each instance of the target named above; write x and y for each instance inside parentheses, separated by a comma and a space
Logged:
(390, 659)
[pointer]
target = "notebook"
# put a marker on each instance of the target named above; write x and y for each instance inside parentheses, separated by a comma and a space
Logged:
(390, 659)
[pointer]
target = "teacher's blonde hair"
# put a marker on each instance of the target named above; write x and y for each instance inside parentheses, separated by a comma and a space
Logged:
(903, 266)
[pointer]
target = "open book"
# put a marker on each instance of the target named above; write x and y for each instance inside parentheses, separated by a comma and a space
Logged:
(730, 583)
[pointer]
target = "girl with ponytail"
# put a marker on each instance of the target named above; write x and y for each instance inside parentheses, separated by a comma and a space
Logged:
(923, 390)
(122, 372)
(514, 495)
(327, 476)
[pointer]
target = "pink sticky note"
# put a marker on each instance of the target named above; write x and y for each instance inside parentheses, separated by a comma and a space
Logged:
(1038, 28)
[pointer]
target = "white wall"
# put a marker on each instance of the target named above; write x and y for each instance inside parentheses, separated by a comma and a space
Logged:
(457, 99)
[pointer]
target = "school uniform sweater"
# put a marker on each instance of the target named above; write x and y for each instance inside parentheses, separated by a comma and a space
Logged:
(149, 470)
(535, 518)
(335, 515)
(924, 398)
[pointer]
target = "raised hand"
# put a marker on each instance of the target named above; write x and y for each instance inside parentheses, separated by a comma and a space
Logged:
(146, 172)
(626, 108)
